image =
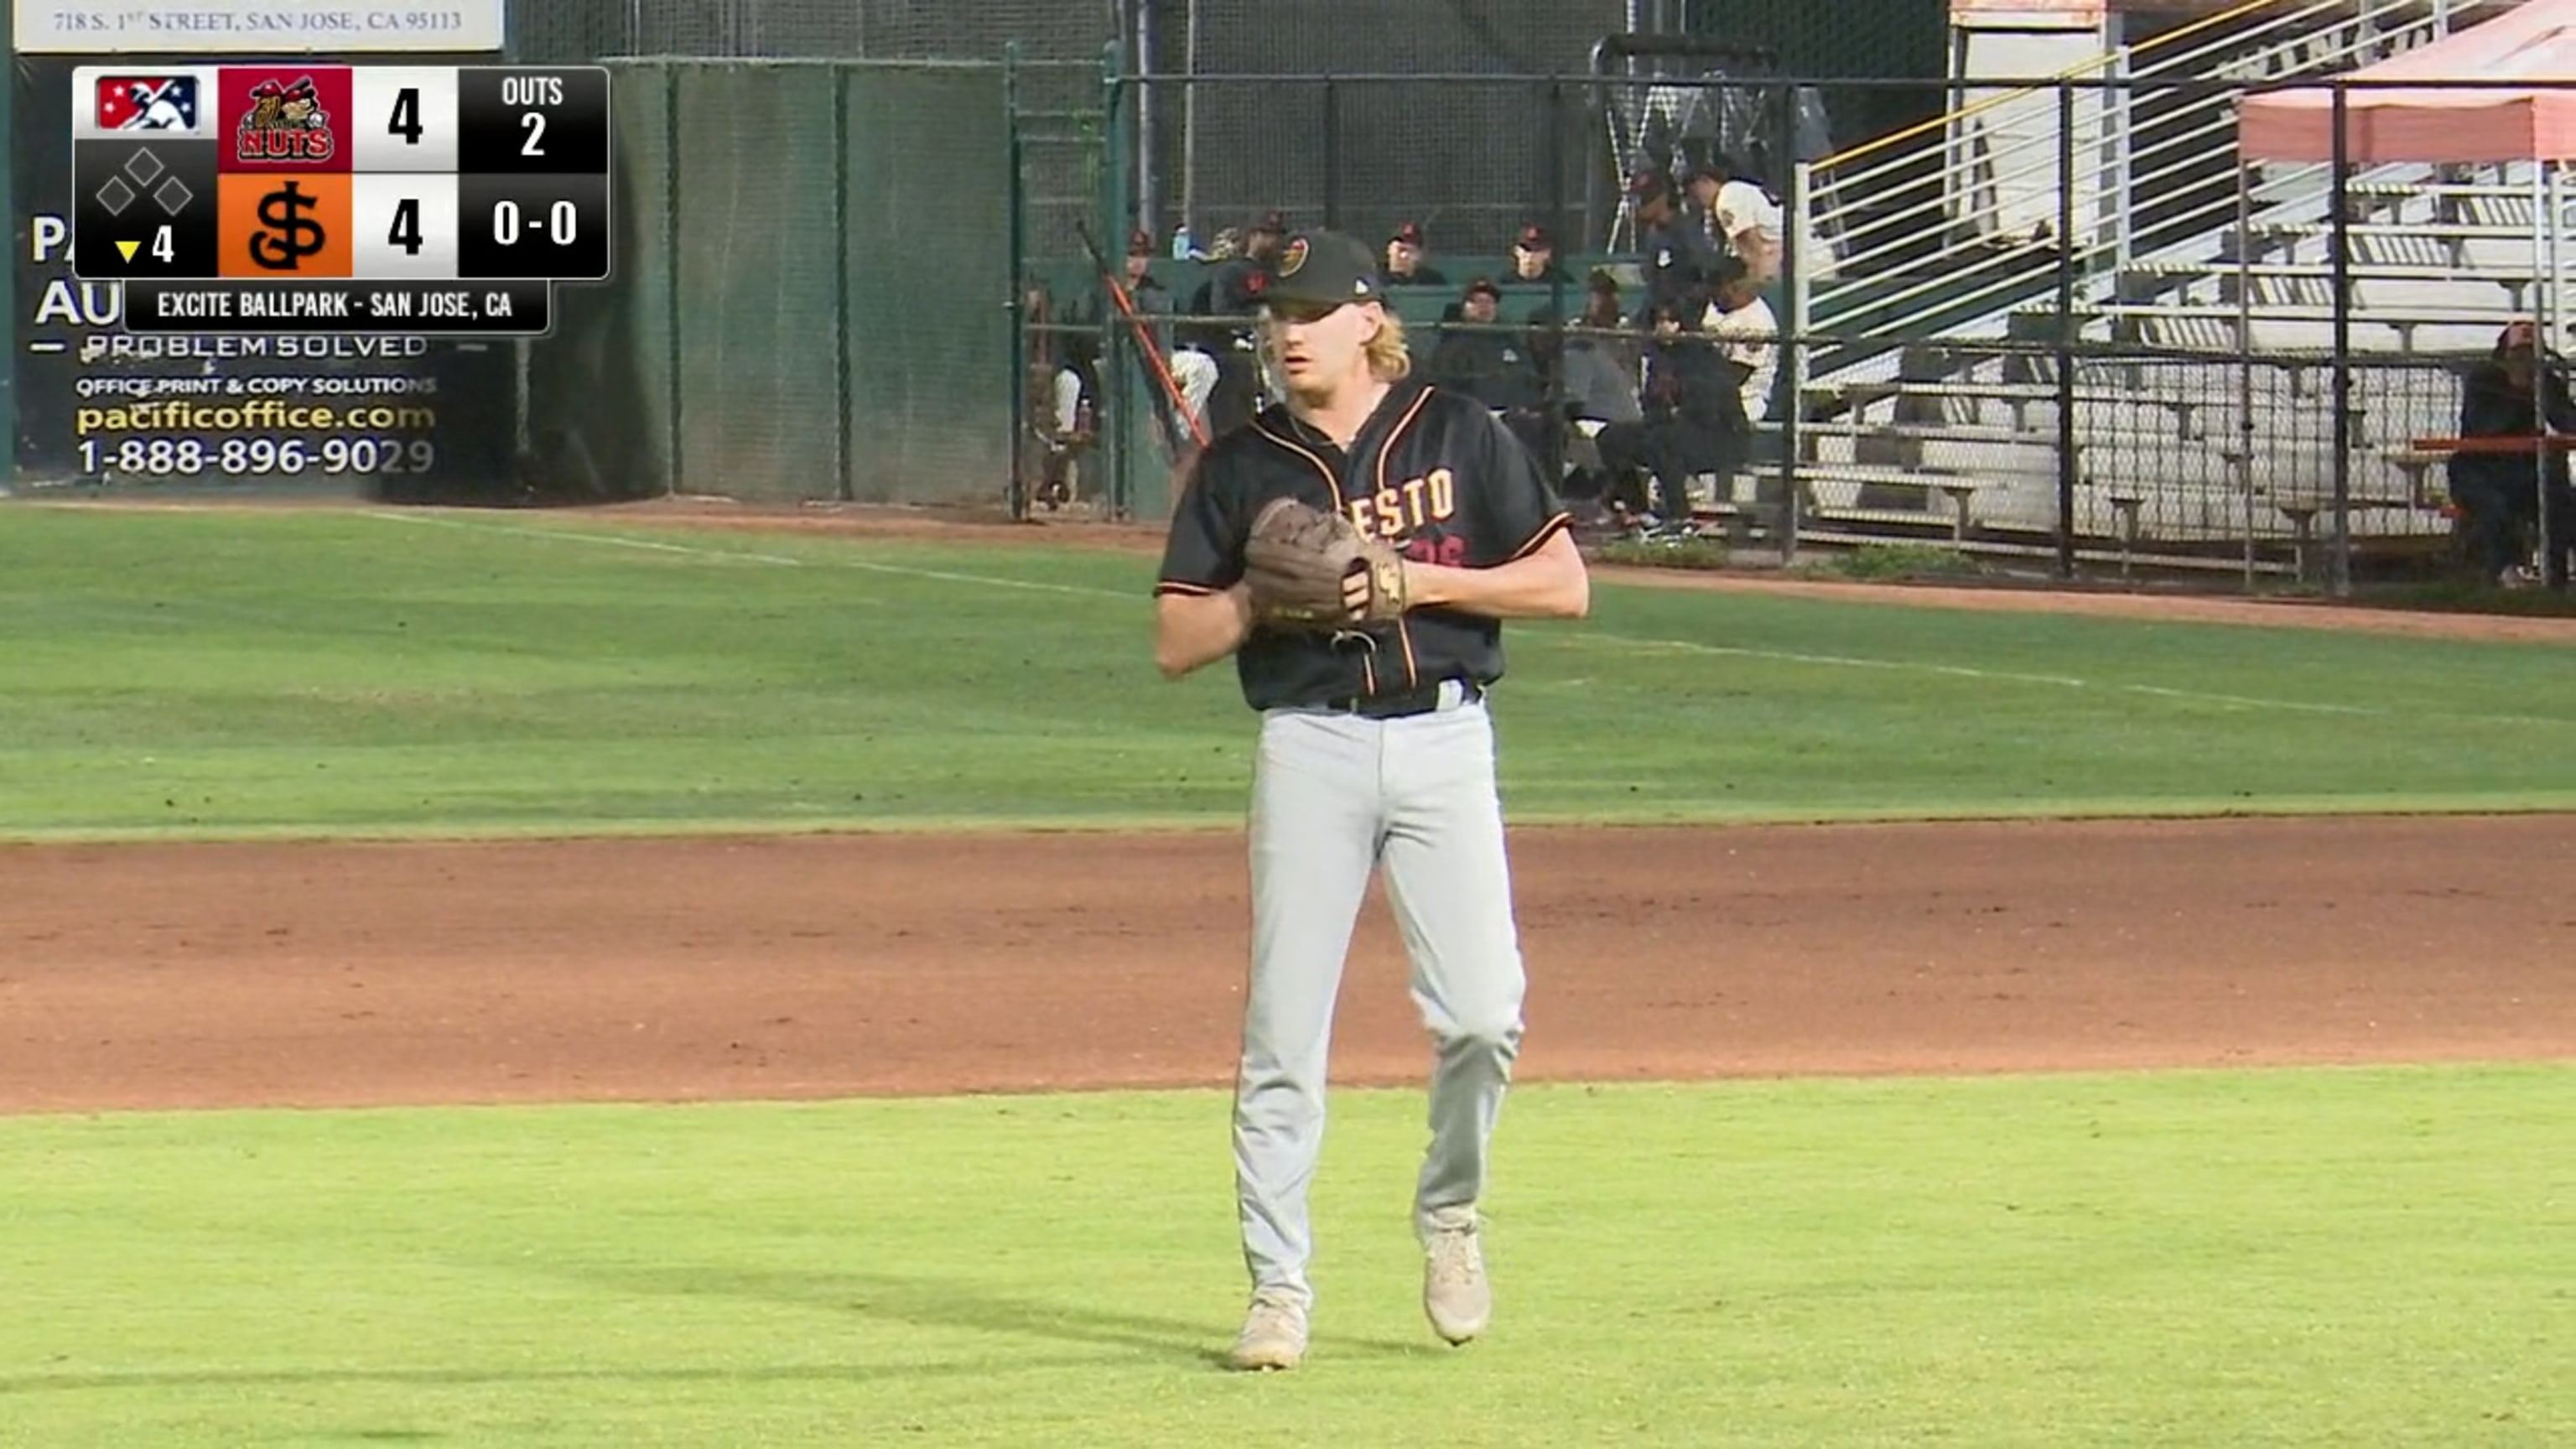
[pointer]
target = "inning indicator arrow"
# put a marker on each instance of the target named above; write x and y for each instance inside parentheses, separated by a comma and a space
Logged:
(129, 248)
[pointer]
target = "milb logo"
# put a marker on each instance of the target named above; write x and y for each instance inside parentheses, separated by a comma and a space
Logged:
(147, 103)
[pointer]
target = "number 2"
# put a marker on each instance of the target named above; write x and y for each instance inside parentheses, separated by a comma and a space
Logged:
(535, 123)
(406, 117)
(405, 232)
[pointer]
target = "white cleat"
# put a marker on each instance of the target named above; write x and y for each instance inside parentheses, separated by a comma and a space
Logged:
(1455, 1295)
(1273, 1337)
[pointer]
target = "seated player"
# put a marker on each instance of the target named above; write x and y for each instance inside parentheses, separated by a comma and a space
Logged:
(1597, 371)
(1406, 260)
(1694, 423)
(2498, 494)
(1534, 257)
(1496, 367)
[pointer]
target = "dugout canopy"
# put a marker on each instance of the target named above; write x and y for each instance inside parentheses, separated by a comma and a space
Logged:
(2534, 43)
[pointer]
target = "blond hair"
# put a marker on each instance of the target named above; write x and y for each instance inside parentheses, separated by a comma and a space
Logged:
(1388, 359)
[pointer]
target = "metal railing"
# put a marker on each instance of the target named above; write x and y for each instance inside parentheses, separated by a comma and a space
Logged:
(2078, 438)
(1883, 204)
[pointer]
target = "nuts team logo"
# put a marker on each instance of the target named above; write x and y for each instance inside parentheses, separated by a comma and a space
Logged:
(284, 123)
(1292, 258)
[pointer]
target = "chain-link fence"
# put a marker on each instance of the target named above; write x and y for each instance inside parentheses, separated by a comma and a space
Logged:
(764, 283)
(2102, 458)
(805, 303)
(2128, 389)
(1465, 162)
(809, 310)
(814, 265)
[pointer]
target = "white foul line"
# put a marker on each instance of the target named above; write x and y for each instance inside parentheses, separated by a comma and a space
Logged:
(1723, 651)
(608, 540)
(1995, 676)
(565, 535)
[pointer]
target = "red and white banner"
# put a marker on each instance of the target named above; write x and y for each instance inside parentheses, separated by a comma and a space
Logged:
(2086, 15)
(2077, 10)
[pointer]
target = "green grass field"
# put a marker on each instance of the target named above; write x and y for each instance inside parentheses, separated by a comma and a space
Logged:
(2300, 1258)
(245, 674)
(2380, 1257)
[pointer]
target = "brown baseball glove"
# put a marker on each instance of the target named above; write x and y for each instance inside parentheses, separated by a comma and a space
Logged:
(1310, 569)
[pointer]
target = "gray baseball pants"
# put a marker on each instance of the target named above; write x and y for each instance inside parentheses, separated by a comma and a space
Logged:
(1333, 798)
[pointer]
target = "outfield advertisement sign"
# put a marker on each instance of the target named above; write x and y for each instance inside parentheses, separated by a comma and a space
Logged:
(96, 403)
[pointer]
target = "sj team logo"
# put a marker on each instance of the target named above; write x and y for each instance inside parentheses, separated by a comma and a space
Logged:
(147, 103)
(284, 122)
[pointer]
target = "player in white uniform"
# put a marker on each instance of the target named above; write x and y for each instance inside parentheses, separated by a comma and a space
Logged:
(1742, 215)
(1746, 333)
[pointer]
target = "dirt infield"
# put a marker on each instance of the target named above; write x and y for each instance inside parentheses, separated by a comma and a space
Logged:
(196, 975)
(167, 976)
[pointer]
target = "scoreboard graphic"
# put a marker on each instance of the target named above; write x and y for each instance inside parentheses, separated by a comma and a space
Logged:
(307, 198)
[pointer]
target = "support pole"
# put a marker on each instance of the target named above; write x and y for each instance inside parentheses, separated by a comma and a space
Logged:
(844, 365)
(2066, 461)
(1790, 342)
(2340, 243)
(2544, 256)
(1143, 64)
(1190, 120)
(9, 272)
(1017, 305)
(1332, 154)
(2243, 462)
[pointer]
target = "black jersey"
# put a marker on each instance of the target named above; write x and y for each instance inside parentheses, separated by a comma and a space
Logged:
(1432, 472)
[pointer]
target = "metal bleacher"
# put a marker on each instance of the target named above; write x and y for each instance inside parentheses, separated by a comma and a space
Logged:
(2202, 327)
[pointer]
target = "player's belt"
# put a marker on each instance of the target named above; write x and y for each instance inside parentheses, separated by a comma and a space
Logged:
(1448, 694)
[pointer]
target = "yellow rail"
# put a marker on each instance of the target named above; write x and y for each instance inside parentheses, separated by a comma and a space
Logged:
(1940, 122)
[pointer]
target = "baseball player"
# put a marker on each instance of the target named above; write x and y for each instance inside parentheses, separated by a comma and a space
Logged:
(1356, 548)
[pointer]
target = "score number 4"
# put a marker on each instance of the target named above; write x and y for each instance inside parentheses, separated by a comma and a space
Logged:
(563, 219)
(405, 122)
(562, 225)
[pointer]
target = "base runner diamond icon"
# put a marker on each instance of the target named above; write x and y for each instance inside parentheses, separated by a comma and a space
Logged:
(116, 196)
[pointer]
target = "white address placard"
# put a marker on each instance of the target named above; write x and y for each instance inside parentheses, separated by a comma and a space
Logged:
(270, 27)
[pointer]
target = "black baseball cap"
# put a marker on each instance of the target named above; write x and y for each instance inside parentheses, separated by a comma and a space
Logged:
(1323, 269)
(1647, 185)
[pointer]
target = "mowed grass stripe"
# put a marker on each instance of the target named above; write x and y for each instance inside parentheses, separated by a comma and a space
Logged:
(222, 673)
(2285, 1258)
(723, 554)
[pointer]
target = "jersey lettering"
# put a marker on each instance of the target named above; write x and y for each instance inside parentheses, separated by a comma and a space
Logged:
(1406, 508)
(1448, 550)
(1469, 497)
